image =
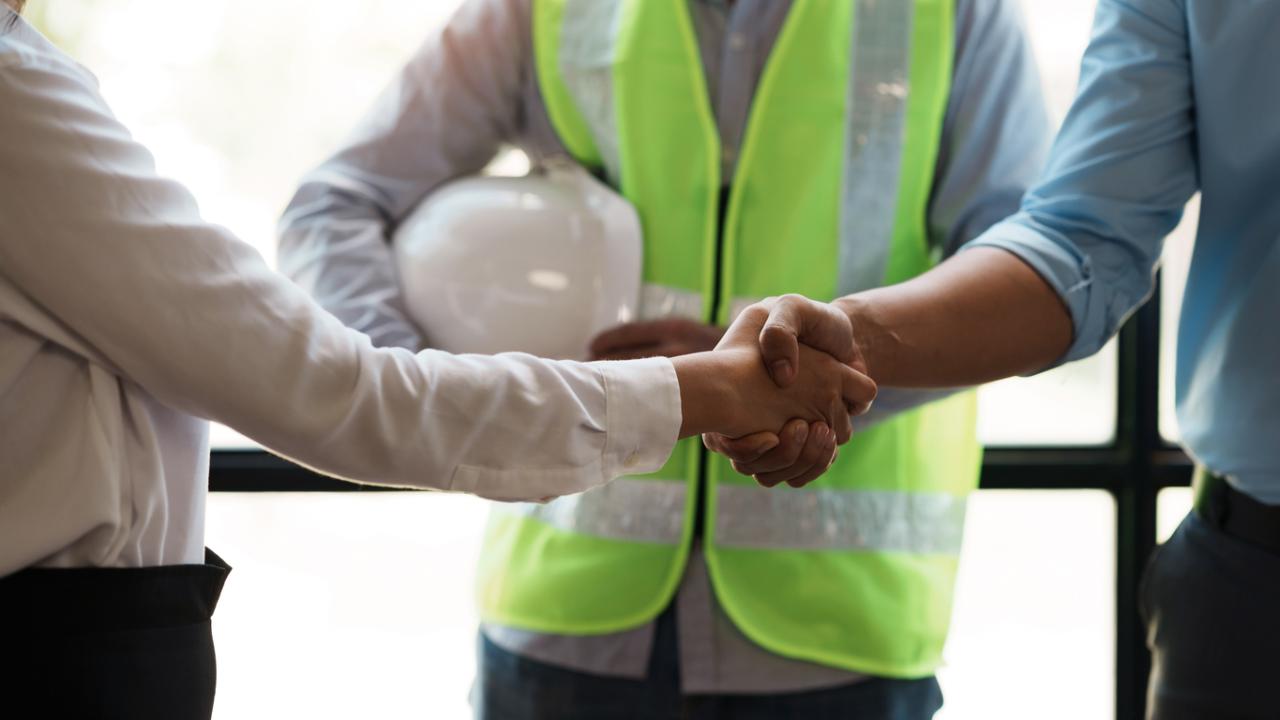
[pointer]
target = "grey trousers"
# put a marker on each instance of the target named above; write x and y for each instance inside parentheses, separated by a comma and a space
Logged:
(1212, 608)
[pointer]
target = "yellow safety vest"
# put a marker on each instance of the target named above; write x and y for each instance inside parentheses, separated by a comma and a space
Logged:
(829, 196)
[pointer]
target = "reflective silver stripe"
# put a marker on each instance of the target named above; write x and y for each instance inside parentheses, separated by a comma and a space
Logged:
(879, 75)
(749, 516)
(587, 44)
(658, 301)
(637, 510)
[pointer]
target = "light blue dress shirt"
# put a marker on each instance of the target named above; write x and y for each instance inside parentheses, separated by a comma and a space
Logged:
(1176, 96)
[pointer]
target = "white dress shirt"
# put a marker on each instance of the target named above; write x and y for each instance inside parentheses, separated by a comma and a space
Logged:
(127, 322)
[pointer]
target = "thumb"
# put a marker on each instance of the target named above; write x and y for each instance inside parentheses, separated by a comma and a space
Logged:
(780, 351)
(795, 319)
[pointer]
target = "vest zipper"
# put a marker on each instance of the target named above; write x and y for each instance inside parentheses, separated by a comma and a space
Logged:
(700, 497)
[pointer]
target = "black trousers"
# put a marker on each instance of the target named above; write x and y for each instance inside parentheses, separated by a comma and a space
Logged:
(1212, 607)
(112, 643)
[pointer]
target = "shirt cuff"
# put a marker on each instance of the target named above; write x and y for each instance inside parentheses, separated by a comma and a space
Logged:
(1063, 266)
(643, 413)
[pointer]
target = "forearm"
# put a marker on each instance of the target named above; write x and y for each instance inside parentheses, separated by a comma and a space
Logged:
(980, 316)
(506, 427)
(333, 245)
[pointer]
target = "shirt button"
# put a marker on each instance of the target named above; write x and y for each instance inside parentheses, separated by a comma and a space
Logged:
(737, 41)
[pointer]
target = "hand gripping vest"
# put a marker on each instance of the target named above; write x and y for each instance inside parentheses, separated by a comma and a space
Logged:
(829, 197)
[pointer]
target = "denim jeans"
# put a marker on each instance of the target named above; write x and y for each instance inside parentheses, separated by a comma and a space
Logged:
(510, 687)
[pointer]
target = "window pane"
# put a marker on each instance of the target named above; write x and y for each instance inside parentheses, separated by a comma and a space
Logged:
(1071, 405)
(1172, 505)
(1035, 609)
(360, 605)
(345, 605)
(298, 73)
(222, 437)
(1075, 404)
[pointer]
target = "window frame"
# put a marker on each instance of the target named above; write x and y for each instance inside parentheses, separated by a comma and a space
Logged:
(1133, 468)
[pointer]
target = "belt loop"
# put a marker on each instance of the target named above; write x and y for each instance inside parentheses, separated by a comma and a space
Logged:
(1210, 499)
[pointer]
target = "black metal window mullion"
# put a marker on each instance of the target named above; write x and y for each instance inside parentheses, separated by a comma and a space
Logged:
(1138, 436)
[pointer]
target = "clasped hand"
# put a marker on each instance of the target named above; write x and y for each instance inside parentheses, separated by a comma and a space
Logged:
(789, 329)
(776, 396)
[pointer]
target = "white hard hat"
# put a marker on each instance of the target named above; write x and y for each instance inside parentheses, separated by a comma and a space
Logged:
(537, 264)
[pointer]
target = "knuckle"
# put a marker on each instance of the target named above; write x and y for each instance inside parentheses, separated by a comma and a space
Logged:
(775, 329)
(726, 446)
(756, 314)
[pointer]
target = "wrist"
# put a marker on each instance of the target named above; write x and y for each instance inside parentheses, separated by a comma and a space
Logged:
(704, 393)
(872, 337)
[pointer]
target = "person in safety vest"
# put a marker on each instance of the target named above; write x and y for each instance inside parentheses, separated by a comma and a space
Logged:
(768, 148)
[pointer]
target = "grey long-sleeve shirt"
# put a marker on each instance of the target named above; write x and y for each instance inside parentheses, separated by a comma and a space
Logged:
(471, 88)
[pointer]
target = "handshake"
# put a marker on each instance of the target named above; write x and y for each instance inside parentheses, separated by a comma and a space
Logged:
(777, 393)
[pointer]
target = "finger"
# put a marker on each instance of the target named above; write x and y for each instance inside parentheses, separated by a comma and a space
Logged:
(745, 329)
(816, 471)
(795, 319)
(780, 350)
(858, 391)
(815, 456)
(841, 423)
(630, 335)
(716, 443)
(744, 449)
(791, 441)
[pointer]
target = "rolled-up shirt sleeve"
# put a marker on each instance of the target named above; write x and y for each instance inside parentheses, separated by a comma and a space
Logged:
(1120, 172)
(115, 264)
